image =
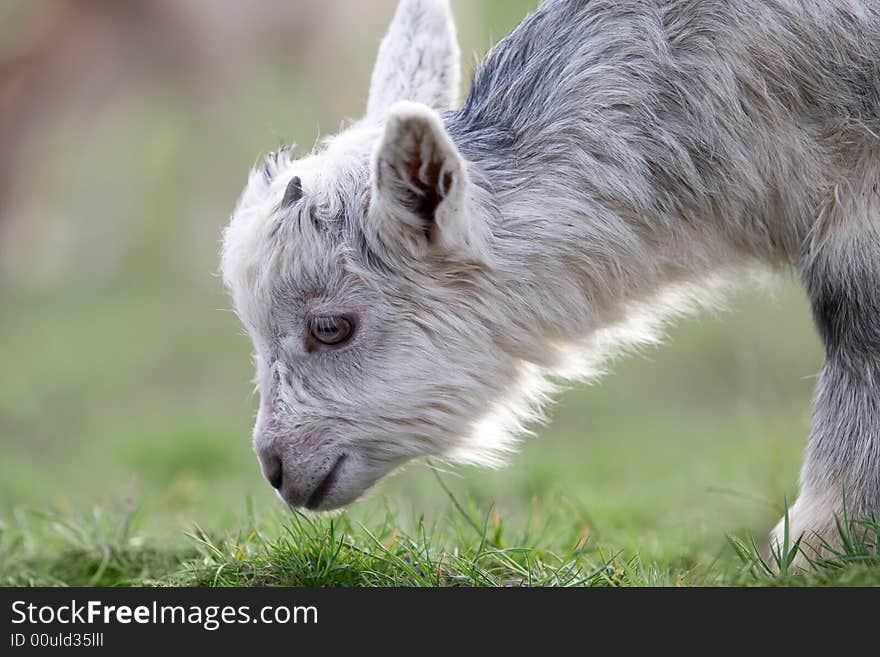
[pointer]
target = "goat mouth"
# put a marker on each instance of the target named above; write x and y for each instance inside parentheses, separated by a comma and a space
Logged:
(326, 485)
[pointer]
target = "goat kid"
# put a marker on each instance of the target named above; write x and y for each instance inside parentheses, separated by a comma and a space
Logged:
(411, 284)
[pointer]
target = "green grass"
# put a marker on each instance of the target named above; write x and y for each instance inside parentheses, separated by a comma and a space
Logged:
(468, 550)
(126, 404)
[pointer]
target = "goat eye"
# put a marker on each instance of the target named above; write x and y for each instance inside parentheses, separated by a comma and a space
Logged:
(332, 330)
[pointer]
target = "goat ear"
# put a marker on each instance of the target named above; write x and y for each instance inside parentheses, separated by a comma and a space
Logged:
(419, 59)
(420, 183)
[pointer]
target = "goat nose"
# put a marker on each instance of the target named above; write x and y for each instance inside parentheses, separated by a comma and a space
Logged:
(272, 467)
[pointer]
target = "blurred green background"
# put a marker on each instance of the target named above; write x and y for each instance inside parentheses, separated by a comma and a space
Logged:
(128, 130)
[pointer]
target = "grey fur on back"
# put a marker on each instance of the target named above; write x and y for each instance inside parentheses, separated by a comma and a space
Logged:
(683, 112)
(612, 164)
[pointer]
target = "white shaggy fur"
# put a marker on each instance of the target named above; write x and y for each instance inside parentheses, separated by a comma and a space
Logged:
(418, 59)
